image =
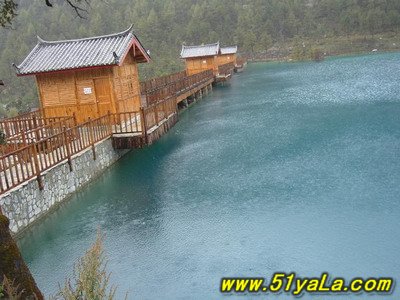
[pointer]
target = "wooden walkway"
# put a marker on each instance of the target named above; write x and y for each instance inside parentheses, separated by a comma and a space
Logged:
(36, 144)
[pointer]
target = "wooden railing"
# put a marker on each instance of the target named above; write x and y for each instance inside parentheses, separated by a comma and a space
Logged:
(127, 122)
(27, 115)
(240, 62)
(34, 159)
(226, 69)
(12, 127)
(32, 130)
(157, 112)
(156, 83)
(177, 87)
(39, 156)
(58, 140)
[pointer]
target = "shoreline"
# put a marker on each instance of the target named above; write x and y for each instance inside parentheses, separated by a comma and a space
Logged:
(349, 54)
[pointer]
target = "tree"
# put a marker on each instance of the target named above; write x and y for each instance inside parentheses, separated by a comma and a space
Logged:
(12, 266)
(265, 41)
(8, 9)
(7, 12)
(163, 25)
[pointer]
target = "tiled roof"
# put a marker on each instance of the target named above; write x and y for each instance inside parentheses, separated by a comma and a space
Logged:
(200, 51)
(81, 53)
(229, 50)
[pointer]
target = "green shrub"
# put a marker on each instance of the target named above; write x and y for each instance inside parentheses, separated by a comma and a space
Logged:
(90, 279)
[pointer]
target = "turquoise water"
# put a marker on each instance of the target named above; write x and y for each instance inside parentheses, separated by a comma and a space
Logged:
(292, 167)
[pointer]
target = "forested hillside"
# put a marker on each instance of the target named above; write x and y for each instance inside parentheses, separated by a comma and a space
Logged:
(163, 25)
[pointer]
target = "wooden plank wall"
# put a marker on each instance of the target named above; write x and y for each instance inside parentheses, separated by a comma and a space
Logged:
(63, 94)
(200, 64)
(226, 58)
(127, 86)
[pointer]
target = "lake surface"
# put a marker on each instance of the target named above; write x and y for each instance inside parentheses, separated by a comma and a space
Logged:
(291, 167)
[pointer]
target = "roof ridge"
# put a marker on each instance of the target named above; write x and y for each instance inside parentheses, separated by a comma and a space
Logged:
(204, 45)
(42, 41)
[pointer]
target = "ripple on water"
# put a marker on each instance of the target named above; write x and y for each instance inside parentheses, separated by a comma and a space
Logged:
(291, 167)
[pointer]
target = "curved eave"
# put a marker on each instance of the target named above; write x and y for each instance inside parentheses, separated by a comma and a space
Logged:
(126, 31)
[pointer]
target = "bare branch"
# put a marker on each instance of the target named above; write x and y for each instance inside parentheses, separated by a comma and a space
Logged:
(78, 10)
(8, 10)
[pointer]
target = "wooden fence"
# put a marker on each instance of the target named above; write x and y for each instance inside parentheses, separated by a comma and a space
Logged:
(34, 159)
(226, 69)
(14, 126)
(240, 62)
(127, 122)
(42, 143)
(19, 133)
(178, 87)
(39, 156)
(157, 112)
(156, 83)
(27, 115)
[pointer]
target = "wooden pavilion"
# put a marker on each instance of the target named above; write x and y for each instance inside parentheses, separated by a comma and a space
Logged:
(87, 77)
(228, 55)
(201, 58)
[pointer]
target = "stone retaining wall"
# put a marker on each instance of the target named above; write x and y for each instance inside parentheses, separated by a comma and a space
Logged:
(26, 203)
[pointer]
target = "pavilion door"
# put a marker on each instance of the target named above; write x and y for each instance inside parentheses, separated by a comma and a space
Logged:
(103, 96)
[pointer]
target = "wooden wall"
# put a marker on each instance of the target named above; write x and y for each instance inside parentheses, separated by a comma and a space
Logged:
(200, 64)
(127, 86)
(92, 92)
(226, 58)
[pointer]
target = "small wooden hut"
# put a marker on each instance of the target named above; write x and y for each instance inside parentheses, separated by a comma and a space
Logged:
(87, 77)
(228, 55)
(201, 58)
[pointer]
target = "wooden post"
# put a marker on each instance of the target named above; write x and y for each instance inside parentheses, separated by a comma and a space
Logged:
(24, 139)
(37, 167)
(156, 112)
(143, 124)
(78, 136)
(165, 110)
(176, 106)
(91, 137)
(147, 99)
(110, 124)
(67, 147)
(35, 126)
(37, 136)
(75, 121)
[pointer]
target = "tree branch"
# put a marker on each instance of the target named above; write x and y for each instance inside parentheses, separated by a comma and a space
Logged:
(78, 10)
(8, 10)
(75, 4)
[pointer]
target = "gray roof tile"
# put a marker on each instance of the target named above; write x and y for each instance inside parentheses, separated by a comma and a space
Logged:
(200, 51)
(229, 50)
(79, 53)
